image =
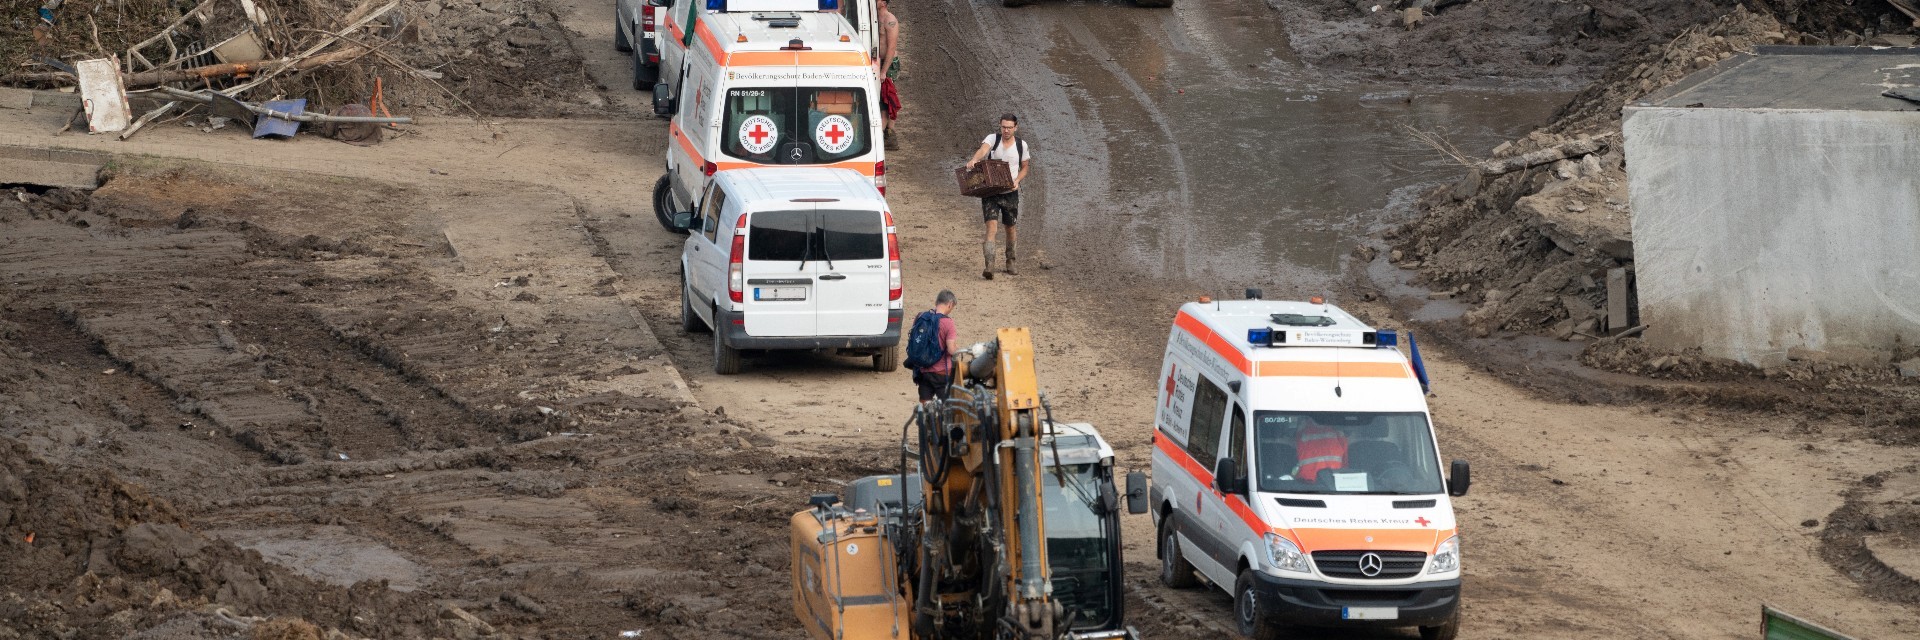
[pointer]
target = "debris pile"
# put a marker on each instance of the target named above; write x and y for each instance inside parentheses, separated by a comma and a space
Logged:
(1534, 238)
(452, 57)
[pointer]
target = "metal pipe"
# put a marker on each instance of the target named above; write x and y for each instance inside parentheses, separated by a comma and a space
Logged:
(1025, 470)
(986, 358)
(304, 116)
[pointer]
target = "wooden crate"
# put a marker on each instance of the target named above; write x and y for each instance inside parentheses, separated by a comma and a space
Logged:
(988, 178)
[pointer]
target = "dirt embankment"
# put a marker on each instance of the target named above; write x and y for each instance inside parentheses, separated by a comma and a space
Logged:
(1555, 43)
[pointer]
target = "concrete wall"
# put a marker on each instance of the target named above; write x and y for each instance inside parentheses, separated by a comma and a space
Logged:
(1760, 231)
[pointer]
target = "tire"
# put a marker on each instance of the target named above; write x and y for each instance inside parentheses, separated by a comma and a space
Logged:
(726, 359)
(644, 75)
(690, 322)
(662, 201)
(1175, 571)
(1444, 631)
(887, 360)
(620, 41)
(1250, 617)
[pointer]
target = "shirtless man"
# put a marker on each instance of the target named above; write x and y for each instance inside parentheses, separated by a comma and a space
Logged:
(888, 67)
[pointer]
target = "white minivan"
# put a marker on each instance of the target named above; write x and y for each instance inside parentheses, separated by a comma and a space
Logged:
(1295, 466)
(792, 258)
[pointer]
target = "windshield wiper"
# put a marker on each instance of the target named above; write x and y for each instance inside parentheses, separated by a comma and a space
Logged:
(806, 254)
(822, 233)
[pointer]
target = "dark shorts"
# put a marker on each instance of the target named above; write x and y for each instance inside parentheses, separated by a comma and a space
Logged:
(932, 385)
(1004, 207)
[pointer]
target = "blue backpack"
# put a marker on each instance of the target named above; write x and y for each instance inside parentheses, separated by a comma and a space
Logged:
(923, 341)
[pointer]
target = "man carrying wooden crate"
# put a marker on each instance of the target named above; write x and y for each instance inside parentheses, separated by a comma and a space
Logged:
(1004, 145)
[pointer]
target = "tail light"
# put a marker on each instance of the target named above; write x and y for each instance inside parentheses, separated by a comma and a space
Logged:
(710, 168)
(646, 20)
(880, 176)
(736, 257)
(893, 260)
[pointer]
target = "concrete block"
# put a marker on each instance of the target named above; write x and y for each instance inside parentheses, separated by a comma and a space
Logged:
(50, 168)
(15, 98)
(1617, 308)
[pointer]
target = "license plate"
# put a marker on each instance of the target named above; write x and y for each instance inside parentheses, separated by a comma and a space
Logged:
(1370, 613)
(779, 293)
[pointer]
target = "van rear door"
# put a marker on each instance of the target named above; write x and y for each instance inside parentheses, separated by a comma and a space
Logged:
(850, 265)
(779, 291)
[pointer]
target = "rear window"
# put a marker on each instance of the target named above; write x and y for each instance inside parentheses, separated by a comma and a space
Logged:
(779, 235)
(853, 235)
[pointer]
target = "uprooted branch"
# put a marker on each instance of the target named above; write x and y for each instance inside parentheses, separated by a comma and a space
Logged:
(1574, 149)
(163, 76)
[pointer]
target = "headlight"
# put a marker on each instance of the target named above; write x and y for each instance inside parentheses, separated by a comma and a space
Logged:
(1447, 558)
(1285, 555)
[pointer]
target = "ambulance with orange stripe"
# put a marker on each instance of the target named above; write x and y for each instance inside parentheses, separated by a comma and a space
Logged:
(1295, 466)
(750, 84)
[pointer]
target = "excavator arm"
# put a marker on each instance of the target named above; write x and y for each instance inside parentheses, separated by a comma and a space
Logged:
(984, 571)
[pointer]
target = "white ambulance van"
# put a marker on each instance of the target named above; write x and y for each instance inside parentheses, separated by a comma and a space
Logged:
(1295, 465)
(792, 259)
(765, 88)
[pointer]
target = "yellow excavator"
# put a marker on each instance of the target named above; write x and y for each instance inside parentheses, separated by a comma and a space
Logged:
(1004, 525)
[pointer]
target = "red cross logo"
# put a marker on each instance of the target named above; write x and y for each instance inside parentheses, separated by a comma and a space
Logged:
(1169, 386)
(1423, 521)
(758, 134)
(835, 133)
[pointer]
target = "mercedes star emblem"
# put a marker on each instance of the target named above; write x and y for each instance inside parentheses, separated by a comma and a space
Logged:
(1371, 564)
(797, 154)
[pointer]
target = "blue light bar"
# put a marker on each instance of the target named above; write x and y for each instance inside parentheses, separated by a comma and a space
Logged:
(1385, 339)
(829, 5)
(1261, 337)
(716, 5)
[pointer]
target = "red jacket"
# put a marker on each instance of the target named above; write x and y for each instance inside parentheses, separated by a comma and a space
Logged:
(1320, 447)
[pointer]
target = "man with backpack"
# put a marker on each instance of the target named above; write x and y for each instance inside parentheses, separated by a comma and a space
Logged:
(930, 347)
(1004, 145)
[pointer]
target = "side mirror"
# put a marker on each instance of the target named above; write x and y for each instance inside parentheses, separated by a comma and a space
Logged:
(684, 221)
(659, 3)
(1226, 477)
(662, 101)
(1461, 478)
(1137, 492)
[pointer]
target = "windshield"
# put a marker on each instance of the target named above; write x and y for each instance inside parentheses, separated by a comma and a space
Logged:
(795, 125)
(1336, 452)
(1078, 549)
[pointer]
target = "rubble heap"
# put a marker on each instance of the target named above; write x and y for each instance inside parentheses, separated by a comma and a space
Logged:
(1531, 248)
(449, 57)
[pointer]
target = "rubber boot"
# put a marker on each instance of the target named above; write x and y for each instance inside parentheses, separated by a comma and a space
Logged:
(1010, 270)
(986, 250)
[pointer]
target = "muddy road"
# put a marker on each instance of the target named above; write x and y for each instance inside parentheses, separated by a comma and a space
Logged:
(376, 385)
(1193, 138)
